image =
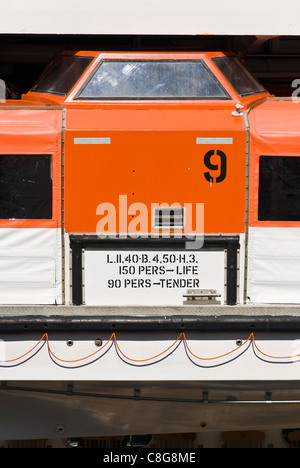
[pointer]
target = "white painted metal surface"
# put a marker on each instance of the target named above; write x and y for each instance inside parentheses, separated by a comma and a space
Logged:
(30, 266)
(273, 265)
(189, 17)
(146, 357)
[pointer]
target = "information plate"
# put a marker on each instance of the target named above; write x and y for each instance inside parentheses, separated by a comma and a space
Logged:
(135, 277)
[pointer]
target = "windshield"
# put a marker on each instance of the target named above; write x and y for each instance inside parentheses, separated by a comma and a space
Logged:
(62, 75)
(238, 76)
(153, 79)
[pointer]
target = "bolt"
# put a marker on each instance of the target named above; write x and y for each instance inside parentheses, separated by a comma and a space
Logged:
(60, 428)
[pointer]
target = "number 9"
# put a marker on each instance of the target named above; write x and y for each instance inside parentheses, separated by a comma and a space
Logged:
(222, 167)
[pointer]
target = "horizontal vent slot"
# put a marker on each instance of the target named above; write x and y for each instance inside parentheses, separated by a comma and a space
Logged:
(169, 218)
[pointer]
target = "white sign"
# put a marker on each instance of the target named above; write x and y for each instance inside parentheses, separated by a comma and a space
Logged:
(136, 277)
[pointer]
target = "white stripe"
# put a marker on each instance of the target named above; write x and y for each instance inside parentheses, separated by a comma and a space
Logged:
(91, 141)
(214, 141)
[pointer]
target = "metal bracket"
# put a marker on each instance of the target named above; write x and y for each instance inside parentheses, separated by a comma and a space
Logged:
(205, 396)
(237, 112)
(201, 296)
(268, 397)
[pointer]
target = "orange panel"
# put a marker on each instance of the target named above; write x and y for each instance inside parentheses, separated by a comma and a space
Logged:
(274, 128)
(34, 131)
(153, 157)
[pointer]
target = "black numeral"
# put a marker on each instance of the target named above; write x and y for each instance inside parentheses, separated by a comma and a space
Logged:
(221, 167)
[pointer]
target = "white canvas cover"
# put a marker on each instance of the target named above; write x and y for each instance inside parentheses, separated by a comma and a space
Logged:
(274, 265)
(273, 274)
(30, 266)
(30, 180)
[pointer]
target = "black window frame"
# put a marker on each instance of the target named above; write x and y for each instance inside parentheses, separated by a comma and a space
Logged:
(247, 70)
(280, 213)
(49, 209)
(49, 68)
(226, 96)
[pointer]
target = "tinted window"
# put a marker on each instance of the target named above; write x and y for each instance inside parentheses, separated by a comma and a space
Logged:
(279, 188)
(25, 187)
(153, 79)
(238, 76)
(62, 75)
